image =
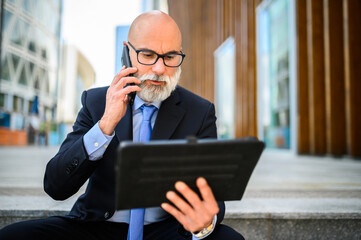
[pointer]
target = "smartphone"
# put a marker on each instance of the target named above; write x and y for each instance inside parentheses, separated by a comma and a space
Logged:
(126, 62)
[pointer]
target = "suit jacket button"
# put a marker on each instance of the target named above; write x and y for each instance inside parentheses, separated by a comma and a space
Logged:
(75, 162)
(106, 215)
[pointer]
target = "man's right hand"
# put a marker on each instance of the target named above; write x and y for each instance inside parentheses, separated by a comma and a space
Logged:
(117, 99)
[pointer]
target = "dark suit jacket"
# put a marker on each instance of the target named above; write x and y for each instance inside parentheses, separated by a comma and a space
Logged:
(180, 115)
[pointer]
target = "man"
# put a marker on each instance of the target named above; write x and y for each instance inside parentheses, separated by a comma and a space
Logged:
(106, 119)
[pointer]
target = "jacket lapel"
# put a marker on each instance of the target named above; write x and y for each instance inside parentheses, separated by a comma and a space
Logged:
(124, 129)
(169, 116)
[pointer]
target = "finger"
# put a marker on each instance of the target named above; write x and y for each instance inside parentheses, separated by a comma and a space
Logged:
(182, 205)
(131, 88)
(188, 193)
(127, 80)
(173, 211)
(117, 77)
(206, 193)
(123, 73)
(204, 212)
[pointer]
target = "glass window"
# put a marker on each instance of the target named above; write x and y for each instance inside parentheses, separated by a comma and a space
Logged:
(40, 39)
(38, 10)
(36, 83)
(18, 104)
(5, 72)
(2, 100)
(39, 77)
(30, 106)
(26, 5)
(273, 73)
(24, 28)
(23, 77)
(31, 39)
(31, 68)
(46, 82)
(16, 60)
(224, 88)
(15, 34)
(43, 53)
(19, 32)
(6, 19)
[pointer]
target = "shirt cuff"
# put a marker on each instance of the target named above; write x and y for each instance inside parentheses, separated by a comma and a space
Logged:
(209, 230)
(96, 142)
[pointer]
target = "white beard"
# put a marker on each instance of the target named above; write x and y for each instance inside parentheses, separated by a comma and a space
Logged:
(157, 92)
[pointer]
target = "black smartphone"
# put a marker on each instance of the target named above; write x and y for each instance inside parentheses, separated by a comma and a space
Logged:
(126, 62)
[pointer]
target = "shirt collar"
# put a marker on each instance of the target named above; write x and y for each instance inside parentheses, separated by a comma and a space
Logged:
(139, 102)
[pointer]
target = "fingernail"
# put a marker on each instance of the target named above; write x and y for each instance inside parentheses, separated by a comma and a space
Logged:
(202, 180)
(180, 185)
(169, 194)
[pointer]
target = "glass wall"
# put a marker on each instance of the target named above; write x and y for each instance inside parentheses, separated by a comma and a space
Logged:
(274, 45)
(225, 82)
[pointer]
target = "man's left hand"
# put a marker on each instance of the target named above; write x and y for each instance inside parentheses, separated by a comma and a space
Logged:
(197, 213)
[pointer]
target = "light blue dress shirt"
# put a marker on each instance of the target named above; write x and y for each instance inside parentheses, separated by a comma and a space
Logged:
(95, 143)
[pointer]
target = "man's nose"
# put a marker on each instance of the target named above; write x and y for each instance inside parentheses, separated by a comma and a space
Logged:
(159, 67)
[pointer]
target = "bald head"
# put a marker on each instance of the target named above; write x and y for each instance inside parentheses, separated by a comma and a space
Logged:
(155, 27)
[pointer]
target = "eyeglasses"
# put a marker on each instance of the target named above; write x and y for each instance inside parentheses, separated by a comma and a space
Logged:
(149, 57)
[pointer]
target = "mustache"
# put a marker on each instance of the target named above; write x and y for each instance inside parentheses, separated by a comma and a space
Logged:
(152, 77)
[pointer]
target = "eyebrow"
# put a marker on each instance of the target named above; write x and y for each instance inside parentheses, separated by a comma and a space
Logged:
(170, 52)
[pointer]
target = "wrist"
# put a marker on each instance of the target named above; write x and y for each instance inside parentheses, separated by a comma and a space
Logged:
(206, 231)
(106, 127)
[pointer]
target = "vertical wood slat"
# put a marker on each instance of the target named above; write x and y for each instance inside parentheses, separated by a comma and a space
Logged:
(316, 76)
(239, 69)
(242, 84)
(302, 76)
(251, 69)
(352, 38)
(334, 77)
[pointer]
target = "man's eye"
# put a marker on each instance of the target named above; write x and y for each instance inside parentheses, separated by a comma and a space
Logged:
(148, 55)
(169, 57)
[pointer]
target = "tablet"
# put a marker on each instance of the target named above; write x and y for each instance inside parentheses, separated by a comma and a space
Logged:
(145, 172)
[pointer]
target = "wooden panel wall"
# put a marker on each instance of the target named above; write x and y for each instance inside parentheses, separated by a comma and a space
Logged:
(205, 25)
(328, 66)
(329, 73)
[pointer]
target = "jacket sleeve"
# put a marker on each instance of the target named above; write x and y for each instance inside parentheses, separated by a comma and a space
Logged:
(208, 128)
(70, 168)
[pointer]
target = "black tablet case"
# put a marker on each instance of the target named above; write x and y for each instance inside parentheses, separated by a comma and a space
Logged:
(146, 171)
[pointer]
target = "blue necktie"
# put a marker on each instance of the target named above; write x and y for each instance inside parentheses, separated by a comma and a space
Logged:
(136, 223)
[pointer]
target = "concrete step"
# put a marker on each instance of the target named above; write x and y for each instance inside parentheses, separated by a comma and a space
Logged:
(256, 218)
(295, 218)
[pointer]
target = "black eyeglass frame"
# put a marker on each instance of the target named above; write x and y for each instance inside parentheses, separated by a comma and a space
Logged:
(158, 56)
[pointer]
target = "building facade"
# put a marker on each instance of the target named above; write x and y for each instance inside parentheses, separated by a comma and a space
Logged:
(29, 69)
(76, 75)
